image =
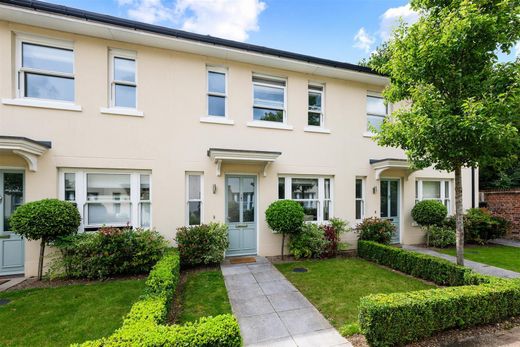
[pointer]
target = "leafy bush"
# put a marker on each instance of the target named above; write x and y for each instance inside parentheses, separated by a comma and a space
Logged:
(376, 229)
(332, 233)
(109, 252)
(45, 220)
(285, 217)
(429, 212)
(480, 225)
(202, 244)
(309, 243)
(441, 237)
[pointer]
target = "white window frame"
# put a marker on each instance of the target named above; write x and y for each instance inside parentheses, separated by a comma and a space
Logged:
(446, 196)
(21, 71)
(362, 199)
(114, 53)
(220, 70)
(81, 194)
(373, 94)
(149, 201)
(284, 87)
(321, 194)
(188, 200)
(322, 111)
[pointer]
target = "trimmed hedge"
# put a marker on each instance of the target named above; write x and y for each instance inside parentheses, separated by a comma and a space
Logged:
(142, 326)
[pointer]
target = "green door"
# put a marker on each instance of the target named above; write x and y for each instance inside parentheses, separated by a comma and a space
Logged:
(11, 245)
(390, 201)
(241, 214)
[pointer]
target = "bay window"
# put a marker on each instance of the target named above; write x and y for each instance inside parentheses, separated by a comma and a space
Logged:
(268, 99)
(439, 190)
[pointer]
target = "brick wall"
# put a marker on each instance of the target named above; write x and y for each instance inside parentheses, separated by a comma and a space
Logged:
(505, 203)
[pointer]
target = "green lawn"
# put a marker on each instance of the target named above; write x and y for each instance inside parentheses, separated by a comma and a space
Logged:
(64, 315)
(204, 294)
(505, 257)
(335, 286)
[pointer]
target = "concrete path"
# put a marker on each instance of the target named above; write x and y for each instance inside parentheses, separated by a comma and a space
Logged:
(506, 242)
(272, 312)
(12, 281)
(477, 267)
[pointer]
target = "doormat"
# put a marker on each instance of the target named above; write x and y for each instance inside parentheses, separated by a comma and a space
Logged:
(242, 260)
(3, 281)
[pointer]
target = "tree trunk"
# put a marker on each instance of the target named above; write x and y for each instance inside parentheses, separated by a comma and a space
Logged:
(283, 243)
(40, 263)
(459, 215)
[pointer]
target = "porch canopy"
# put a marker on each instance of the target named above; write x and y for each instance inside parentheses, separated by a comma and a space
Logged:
(242, 156)
(382, 165)
(30, 150)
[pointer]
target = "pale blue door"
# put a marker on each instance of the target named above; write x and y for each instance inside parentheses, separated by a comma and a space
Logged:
(390, 201)
(241, 214)
(11, 245)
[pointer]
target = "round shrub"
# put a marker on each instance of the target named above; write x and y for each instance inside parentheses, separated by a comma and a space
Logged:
(429, 212)
(285, 217)
(442, 237)
(45, 220)
(376, 229)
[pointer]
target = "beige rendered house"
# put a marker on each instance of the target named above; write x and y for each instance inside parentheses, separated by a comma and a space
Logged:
(148, 126)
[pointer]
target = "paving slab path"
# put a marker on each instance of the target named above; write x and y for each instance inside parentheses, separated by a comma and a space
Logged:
(506, 242)
(272, 312)
(11, 282)
(477, 267)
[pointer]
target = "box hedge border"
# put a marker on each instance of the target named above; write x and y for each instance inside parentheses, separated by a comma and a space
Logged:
(400, 318)
(143, 325)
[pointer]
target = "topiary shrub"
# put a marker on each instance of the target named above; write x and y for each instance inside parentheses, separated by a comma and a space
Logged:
(376, 229)
(441, 237)
(45, 220)
(285, 217)
(309, 243)
(428, 213)
(202, 244)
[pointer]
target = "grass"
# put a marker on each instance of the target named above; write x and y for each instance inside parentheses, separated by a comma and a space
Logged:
(335, 286)
(204, 294)
(505, 257)
(64, 315)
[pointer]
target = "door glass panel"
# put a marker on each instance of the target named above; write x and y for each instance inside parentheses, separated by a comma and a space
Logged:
(13, 195)
(394, 196)
(233, 199)
(248, 199)
(384, 199)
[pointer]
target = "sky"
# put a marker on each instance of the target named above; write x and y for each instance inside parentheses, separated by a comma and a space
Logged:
(343, 30)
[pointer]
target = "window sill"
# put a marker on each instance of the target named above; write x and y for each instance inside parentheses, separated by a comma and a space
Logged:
(316, 129)
(368, 134)
(217, 120)
(122, 112)
(55, 105)
(269, 125)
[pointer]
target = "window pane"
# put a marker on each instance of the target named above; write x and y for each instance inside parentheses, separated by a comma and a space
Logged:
(108, 187)
(194, 212)
(216, 106)
(216, 82)
(145, 214)
(447, 189)
(431, 190)
(314, 101)
(145, 187)
(13, 195)
(326, 210)
(304, 188)
(376, 122)
(269, 96)
(125, 96)
(281, 188)
(49, 87)
(359, 188)
(376, 106)
(233, 200)
(70, 186)
(326, 184)
(109, 213)
(124, 70)
(267, 115)
(310, 208)
(194, 191)
(248, 199)
(47, 58)
(314, 119)
(359, 209)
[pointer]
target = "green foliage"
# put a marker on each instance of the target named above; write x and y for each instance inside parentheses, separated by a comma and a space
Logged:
(429, 212)
(350, 329)
(285, 216)
(309, 243)
(441, 237)
(376, 229)
(202, 244)
(480, 225)
(108, 252)
(46, 219)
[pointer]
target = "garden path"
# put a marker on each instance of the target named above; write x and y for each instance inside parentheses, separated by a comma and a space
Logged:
(506, 242)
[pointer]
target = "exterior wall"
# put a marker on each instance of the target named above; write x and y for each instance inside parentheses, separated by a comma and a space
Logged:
(505, 203)
(170, 139)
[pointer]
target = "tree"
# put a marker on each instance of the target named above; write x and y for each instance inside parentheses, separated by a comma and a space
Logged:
(459, 105)
(45, 220)
(285, 217)
(427, 213)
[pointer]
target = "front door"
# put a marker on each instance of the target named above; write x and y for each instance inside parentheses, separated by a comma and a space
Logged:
(390, 201)
(11, 245)
(241, 214)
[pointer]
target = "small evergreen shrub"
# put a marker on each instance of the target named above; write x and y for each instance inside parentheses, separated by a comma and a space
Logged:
(309, 243)
(376, 229)
(441, 237)
(480, 225)
(429, 212)
(202, 244)
(285, 217)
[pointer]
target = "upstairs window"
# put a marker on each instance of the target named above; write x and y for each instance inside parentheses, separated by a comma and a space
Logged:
(315, 106)
(269, 99)
(123, 79)
(45, 70)
(376, 112)
(217, 92)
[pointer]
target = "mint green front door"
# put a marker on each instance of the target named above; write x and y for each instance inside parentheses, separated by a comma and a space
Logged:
(11, 245)
(390, 201)
(241, 214)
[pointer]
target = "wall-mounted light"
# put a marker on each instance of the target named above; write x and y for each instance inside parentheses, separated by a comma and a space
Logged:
(374, 189)
(214, 188)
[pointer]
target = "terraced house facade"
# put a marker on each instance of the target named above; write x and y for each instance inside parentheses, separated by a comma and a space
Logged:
(147, 126)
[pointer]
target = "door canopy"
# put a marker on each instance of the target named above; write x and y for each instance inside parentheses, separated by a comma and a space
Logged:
(242, 156)
(30, 150)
